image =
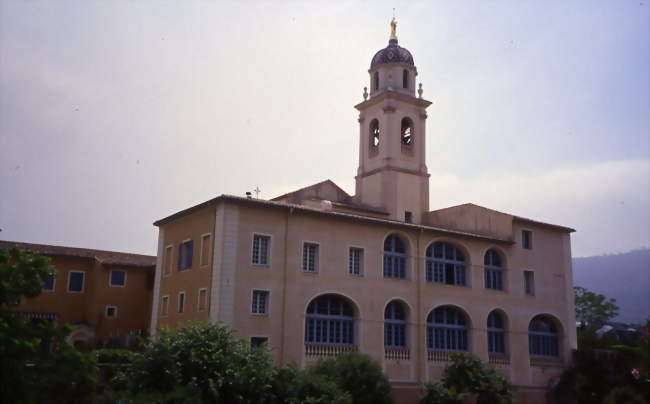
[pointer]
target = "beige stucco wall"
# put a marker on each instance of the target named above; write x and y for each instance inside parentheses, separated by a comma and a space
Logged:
(291, 289)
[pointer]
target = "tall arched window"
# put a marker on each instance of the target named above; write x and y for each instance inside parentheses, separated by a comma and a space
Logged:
(445, 264)
(330, 320)
(447, 330)
(496, 333)
(493, 270)
(394, 257)
(374, 133)
(405, 79)
(543, 337)
(407, 132)
(395, 325)
(375, 81)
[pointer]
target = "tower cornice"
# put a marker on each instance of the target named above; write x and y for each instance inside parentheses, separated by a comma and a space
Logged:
(392, 95)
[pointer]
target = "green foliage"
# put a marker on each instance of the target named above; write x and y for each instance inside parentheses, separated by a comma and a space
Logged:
(467, 374)
(625, 394)
(293, 386)
(206, 358)
(178, 395)
(36, 361)
(593, 308)
(358, 375)
(437, 393)
(120, 356)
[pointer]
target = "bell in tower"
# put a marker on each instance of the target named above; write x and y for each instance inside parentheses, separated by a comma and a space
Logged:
(392, 173)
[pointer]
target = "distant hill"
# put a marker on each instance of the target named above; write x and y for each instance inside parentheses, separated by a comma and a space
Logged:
(624, 277)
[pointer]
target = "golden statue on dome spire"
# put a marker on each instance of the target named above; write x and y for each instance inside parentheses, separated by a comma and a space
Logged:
(393, 28)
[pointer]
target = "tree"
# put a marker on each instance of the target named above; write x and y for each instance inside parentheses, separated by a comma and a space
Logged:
(204, 359)
(468, 375)
(358, 375)
(592, 308)
(36, 362)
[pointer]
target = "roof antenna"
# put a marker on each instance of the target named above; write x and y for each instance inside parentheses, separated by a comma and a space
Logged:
(257, 191)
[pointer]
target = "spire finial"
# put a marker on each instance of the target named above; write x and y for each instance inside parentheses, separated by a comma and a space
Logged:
(393, 27)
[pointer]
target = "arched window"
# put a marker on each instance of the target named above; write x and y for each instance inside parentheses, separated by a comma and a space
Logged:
(374, 133)
(496, 333)
(445, 264)
(543, 337)
(330, 320)
(375, 81)
(395, 325)
(446, 330)
(407, 132)
(394, 257)
(493, 270)
(405, 79)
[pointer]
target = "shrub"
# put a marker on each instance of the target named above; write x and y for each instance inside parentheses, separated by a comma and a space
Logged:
(204, 358)
(437, 393)
(358, 375)
(114, 356)
(625, 394)
(468, 374)
(293, 386)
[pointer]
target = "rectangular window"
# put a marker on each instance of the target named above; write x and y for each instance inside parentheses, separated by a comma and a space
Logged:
(164, 306)
(205, 249)
(260, 302)
(117, 278)
(185, 252)
(259, 342)
(76, 281)
(310, 257)
(167, 262)
(111, 311)
(181, 302)
(355, 264)
(48, 283)
(260, 255)
(408, 217)
(527, 239)
(529, 283)
(203, 299)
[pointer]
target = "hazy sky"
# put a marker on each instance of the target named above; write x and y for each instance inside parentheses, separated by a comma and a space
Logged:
(114, 114)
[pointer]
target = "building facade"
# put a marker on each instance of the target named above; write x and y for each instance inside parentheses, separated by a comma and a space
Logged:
(317, 272)
(105, 295)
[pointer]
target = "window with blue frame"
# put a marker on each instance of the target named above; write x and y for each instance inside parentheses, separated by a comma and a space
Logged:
(118, 278)
(76, 281)
(445, 263)
(394, 257)
(496, 334)
(543, 337)
(447, 330)
(185, 252)
(493, 270)
(395, 325)
(330, 320)
(48, 283)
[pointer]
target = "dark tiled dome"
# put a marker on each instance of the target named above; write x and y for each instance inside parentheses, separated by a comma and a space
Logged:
(393, 53)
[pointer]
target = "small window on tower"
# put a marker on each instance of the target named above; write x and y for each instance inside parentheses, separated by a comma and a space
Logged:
(405, 78)
(408, 217)
(407, 132)
(374, 133)
(375, 81)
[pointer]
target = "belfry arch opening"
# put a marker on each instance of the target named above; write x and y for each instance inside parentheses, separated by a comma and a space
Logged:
(407, 132)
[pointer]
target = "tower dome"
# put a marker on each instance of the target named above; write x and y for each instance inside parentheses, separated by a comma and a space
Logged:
(393, 53)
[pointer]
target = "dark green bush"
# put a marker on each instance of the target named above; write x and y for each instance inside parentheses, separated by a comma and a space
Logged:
(437, 393)
(468, 374)
(293, 386)
(625, 394)
(114, 356)
(358, 375)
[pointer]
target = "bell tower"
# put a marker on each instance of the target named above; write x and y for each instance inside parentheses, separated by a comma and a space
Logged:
(392, 172)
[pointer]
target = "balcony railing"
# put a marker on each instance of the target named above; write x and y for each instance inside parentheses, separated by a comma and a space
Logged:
(397, 354)
(438, 356)
(545, 361)
(325, 350)
(499, 360)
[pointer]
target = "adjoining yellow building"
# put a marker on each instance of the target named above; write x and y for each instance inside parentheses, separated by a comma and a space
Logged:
(317, 272)
(105, 295)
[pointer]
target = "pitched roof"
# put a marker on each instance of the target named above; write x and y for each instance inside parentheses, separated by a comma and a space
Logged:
(317, 185)
(514, 217)
(303, 208)
(102, 256)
